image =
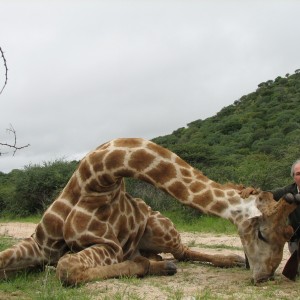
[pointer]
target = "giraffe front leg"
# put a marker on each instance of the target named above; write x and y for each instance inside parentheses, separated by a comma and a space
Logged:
(24, 255)
(217, 260)
(99, 262)
(70, 272)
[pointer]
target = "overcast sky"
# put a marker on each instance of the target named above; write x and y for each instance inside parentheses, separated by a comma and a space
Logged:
(84, 72)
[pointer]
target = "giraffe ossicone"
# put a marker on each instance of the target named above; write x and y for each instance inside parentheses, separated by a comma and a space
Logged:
(95, 230)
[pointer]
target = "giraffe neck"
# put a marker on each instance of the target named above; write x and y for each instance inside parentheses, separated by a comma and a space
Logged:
(103, 168)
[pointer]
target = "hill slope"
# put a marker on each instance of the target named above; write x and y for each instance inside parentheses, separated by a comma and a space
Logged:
(253, 141)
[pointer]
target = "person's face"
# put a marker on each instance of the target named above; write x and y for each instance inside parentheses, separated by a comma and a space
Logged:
(297, 174)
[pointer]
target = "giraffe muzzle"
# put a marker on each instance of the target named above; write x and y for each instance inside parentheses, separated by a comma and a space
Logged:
(262, 279)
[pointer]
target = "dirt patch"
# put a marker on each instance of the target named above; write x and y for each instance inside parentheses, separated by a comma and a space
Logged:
(17, 230)
(192, 281)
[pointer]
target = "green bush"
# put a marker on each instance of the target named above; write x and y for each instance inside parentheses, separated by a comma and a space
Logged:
(35, 188)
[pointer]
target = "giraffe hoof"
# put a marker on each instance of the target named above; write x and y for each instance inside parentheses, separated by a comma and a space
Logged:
(171, 268)
(239, 261)
(164, 268)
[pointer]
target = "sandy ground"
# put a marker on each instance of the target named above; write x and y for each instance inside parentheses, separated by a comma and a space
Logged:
(17, 229)
(191, 278)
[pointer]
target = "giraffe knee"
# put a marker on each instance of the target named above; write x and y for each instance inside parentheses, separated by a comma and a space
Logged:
(69, 271)
(144, 266)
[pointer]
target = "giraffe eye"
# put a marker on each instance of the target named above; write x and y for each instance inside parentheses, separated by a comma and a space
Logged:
(261, 237)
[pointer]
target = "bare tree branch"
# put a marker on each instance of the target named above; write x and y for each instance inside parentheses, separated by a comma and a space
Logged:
(10, 130)
(14, 144)
(6, 70)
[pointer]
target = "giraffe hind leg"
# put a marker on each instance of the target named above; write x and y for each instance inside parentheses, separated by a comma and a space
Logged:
(25, 255)
(217, 260)
(162, 236)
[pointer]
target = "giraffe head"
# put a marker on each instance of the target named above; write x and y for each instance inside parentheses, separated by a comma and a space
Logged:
(264, 234)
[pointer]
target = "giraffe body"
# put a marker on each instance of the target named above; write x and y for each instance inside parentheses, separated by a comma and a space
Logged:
(95, 230)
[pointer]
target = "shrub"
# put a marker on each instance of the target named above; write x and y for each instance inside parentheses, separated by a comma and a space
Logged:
(36, 187)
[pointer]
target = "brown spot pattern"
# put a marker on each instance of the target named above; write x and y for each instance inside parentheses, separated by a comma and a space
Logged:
(93, 186)
(182, 163)
(197, 186)
(61, 209)
(40, 234)
(98, 227)
(162, 173)
(200, 176)
(187, 180)
(124, 173)
(81, 221)
(234, 200)
(160, 150)
(53, 224)
(219, 193)
(203, 199)
(96, 160)
(219, 206)
(179, 190)
(230, 193)
(128, 143)
(123, 228)
(114, 216)
(115, 159)
(216, 185)
(185, 172)
(91, 203)
(84, 170)
(73, 191)
(140, 160)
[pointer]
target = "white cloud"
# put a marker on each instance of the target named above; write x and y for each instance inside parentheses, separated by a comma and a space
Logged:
(81, 73)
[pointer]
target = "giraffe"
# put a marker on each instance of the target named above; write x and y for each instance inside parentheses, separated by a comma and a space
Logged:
(96, 230)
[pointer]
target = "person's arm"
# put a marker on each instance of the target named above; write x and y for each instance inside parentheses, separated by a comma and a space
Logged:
(280, 192)
(277, 193)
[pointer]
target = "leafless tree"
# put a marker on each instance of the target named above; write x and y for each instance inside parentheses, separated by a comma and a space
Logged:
(10, 130)
(6, 70)
(12, 145)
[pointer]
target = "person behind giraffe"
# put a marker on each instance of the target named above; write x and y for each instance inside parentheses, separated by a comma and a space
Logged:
(294, 217)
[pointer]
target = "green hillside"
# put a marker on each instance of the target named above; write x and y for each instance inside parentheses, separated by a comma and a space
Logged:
(253, 141)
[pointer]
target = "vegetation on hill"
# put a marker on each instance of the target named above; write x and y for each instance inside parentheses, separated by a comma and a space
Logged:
(30, 191)
(254, 141)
